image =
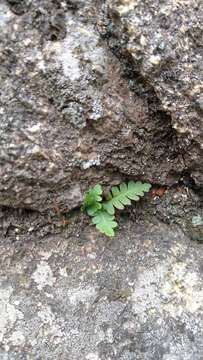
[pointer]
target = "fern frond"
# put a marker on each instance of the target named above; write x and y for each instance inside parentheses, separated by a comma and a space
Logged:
(102, 211)
(104, 222)
(121, 195)
(92, 200)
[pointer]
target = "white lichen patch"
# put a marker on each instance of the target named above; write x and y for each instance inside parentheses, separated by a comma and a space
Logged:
(109, 335)
(46, 315)
(92, 356)
(92, 162)
(69, 61)
(17, 338)
(5, 15)
(126, 6)
(63, 55)
(85, 295)
(45, 255)
(8, 313)
(170, 287)
(145, 295)
(155, 59)
(35, 128)
(43, 275)
(48, 323)
(184, 287)
(63, 272)
(81, 48)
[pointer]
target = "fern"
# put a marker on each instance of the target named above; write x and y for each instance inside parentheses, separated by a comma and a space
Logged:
(104, 222)
(92, 200)
(121, 195)
(103, 211)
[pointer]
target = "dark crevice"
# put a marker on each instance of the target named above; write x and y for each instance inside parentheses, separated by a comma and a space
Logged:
(18, 7)
(187, 180)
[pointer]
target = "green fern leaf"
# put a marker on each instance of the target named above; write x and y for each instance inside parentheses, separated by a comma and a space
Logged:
(121, 195)
(104, 222)
(92, 209)
(92, 200)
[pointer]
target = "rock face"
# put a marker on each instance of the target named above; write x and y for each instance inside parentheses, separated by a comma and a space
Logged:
(136, 297)
(164, 42)
(86, 98)
(68, 116)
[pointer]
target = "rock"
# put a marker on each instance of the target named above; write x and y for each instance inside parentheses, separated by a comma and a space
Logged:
(74, 112)
(138, 296)
(163, 40)
(68, 116)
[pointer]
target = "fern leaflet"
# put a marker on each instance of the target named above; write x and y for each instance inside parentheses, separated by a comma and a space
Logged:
(121, 195)
(92, 200)
(102, 211)
(104, 222)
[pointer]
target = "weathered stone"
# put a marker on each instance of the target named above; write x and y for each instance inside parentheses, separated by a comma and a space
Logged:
(138, 296)
(68, 117)
(164, 41)
(73, 114)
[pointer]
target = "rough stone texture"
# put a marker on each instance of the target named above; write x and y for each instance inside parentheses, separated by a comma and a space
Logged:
(68, 117)
(72, 114)
(164, 41)
(138, 296)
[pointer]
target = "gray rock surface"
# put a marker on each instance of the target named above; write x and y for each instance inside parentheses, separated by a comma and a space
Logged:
(164, 41)
(88, 94)
(138, 296)
(68, 117)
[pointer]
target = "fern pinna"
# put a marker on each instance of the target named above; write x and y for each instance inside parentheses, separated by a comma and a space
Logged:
(102, 211)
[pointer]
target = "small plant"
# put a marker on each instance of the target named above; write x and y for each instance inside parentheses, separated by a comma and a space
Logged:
(102, 209)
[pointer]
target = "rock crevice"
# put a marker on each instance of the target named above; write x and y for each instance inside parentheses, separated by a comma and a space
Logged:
(72, 114)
